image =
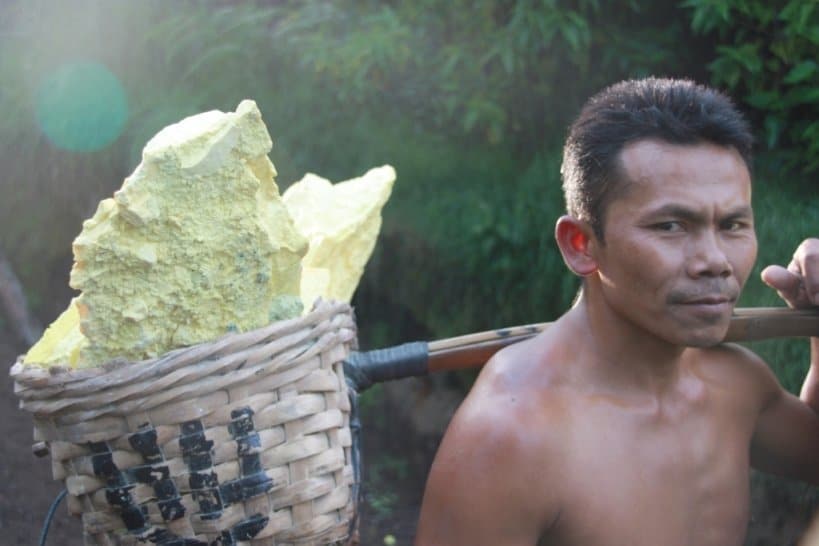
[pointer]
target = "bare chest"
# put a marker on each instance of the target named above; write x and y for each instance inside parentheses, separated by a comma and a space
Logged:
(677, 480)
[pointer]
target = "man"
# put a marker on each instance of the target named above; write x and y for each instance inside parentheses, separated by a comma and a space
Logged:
(626, 422)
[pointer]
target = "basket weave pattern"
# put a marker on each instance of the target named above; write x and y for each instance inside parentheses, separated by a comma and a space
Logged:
(244, 440)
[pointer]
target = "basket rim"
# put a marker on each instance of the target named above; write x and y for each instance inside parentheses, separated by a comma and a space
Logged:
(35, 371)
(32, 382)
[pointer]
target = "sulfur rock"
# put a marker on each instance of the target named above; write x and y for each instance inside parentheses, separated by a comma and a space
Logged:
(62, 341)
(197, 243)
(342, 222)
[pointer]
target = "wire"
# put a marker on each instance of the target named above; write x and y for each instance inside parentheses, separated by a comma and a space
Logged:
(50, 516)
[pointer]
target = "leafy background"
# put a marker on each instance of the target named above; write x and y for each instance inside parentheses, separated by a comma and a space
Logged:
(469, 100)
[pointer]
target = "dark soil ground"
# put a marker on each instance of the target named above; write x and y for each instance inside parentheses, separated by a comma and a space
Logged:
(26, 487)
(396, 460)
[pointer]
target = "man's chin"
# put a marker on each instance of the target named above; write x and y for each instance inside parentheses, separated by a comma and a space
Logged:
(703, 343)
(706, 337)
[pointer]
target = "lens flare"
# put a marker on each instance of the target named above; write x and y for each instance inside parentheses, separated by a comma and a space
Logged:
(82, 107)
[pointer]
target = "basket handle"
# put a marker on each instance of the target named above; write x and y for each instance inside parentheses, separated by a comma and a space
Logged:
(363, 369)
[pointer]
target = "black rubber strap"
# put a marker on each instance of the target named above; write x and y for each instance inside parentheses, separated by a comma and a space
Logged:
(363, 369)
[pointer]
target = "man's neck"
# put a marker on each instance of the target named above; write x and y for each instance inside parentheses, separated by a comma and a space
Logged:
(621, 353)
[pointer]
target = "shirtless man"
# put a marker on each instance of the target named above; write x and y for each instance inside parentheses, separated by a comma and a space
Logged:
(626, 423)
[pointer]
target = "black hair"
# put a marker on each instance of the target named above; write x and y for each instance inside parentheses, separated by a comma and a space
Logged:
(674, 111)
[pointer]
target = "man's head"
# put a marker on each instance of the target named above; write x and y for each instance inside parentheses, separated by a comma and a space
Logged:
(673, 111)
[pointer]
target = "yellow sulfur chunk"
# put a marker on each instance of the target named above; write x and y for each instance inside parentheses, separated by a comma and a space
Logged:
(342, 222)
(197, 243)
(315, 283)
(61, 342)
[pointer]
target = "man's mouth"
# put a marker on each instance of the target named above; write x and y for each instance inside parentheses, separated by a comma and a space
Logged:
(710, 300)
(711, 308)
(708, 303)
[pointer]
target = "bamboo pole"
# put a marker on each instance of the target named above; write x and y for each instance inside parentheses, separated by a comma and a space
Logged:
(747, 324)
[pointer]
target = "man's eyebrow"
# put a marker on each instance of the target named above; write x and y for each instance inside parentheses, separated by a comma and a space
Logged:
(745, 211)
(674, 210)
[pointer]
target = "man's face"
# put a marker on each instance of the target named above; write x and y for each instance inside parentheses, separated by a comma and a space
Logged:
(679, 241)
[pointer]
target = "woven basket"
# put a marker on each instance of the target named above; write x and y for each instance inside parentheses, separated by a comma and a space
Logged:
(244, 440)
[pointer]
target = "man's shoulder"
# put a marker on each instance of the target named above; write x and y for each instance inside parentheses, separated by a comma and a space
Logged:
(499, 465)
(735, 368)
(730, 358)
(510, 431)
(520, 390)
(543, 362)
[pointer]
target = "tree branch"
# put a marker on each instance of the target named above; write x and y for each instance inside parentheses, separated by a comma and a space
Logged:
(14, 305)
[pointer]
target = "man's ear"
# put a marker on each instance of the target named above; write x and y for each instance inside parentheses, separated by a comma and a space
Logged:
(574, 238)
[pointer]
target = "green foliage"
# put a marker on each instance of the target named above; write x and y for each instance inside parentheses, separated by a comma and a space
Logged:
(510, 72)
(767, 57)
(495, 255)
(382, 473)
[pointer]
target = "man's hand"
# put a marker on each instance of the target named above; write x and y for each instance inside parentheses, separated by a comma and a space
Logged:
(798, 285)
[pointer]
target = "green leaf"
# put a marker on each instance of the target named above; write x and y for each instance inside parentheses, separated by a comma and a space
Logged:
(763, 100)
(698, 21)
(746, 55)
(801, 72)
(724, 70)
(507, 57)
(811, 134)
(570, 35)
(724, 11)
(802, 95)
(762, 11)
(471, 118)
(773, 129)
(223, 53)
(453, 57)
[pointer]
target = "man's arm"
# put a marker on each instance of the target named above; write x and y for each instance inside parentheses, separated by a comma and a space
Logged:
(484, 487)
(786, 440)
(786, 437)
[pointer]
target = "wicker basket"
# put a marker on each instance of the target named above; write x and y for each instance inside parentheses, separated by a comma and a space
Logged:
(244, 440)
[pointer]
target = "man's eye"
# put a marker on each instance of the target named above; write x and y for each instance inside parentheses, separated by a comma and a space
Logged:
(668, 226)
(733, 225)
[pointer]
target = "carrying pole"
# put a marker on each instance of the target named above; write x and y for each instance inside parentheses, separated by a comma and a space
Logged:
(419, 358)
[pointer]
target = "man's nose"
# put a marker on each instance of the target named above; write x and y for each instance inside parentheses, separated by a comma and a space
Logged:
(708, 257)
